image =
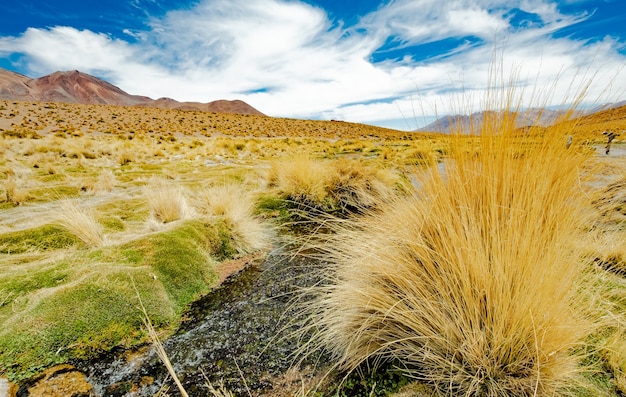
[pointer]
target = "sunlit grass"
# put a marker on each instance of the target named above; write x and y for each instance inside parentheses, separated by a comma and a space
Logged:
(82, 224)
(167, 201)
(470, 282)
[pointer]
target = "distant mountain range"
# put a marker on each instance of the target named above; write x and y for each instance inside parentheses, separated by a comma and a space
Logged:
(529, 117)
(77, 87)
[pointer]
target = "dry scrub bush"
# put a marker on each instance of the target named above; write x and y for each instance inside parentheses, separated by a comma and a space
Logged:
(166, 201)
(82, 224)
(235, 206)
(470, 282)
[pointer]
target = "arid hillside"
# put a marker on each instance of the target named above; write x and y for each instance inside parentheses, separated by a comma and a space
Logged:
(35, 118)
(593, 125)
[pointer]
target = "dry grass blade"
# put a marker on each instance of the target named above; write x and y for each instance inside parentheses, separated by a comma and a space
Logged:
(158, 346)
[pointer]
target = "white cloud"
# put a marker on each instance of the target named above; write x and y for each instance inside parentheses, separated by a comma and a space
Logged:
(287, 58)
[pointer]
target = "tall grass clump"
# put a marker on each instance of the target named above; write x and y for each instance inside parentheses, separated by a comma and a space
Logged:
(469, 283)
(354, 187)
(335, 186)
(166, 201)
(82, 224)
(13, 193)
(302, 181)
(235, 207)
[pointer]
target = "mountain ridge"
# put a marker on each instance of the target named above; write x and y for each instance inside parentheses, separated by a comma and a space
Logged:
(537, 117)
(470, 124)
(82, 88)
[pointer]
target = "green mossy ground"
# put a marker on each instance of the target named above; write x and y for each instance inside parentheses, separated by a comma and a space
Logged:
(85, 301)
(43, 238)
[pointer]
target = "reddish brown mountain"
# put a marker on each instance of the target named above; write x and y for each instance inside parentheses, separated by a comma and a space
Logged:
(77, 87)
(13, 85)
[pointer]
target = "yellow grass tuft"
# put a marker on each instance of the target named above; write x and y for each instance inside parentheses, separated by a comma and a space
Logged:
(607, 247)
(82, 224)
(106, 181)
(614, 353)
(235, 206)
(344, 186)
(354, 187)
(470, 282)
(166, 201)
(301, 180)
(13, 193)
(126, 157)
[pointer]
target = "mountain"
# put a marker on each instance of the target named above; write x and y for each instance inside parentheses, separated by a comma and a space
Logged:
(77, 87)
(474, 122)
(12, 85)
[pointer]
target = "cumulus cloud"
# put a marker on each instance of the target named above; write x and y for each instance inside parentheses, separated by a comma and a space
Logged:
(287, 58)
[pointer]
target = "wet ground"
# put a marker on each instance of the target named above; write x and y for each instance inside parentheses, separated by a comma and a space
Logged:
(243, 334)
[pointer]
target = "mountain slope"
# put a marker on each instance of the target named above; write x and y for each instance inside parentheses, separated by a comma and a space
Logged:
(13, 85)
(77, 87)
(472, 124)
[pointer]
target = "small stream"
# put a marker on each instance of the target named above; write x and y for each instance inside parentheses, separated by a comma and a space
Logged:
(241, 334)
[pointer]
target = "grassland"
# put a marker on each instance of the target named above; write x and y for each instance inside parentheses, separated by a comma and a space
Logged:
(101, 207)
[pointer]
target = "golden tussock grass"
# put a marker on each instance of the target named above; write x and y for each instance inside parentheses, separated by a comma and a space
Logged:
(607, 246)
(469, 283)
(106, 181)
(167, 201)
(614, 352)
(235, 206)
(125, 157)
(301, 180)
(353, 186)
(13, 193)
(82, 224)
(339, 185)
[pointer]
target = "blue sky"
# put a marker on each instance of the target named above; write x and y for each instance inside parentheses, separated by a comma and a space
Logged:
(396, 63)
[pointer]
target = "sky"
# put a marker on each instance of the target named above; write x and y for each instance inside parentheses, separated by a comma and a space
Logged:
(392, 63)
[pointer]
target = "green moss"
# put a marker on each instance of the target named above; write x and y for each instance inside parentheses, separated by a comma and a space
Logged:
(130, 210)
(47, 237)
(53, 193)
(132, 256)
(96, 307)
(18, 282)
(273, 207)
(92, 317)
(180, 260)
(383, 382)
(112, 223)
